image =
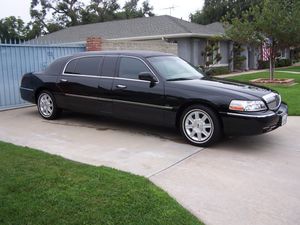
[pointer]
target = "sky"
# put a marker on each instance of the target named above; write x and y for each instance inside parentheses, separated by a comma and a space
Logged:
(182, 8)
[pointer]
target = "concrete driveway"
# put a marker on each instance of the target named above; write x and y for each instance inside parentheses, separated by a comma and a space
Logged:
(246, 180)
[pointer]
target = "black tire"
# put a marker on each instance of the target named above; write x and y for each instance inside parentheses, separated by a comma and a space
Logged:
(48, 110)
(202, 130)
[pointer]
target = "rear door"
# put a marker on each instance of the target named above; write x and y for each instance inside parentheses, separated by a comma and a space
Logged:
(136, 99)
(79, 84)
(107, 76)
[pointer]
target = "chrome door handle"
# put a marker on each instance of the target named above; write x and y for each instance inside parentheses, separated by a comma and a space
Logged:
(121, 86)
(63, 80)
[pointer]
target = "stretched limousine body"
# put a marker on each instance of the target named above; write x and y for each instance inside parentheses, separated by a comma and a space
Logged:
(156, 88)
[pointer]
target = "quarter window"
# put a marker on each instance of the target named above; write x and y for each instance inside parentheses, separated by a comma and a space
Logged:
(131, 68)
(71, 67)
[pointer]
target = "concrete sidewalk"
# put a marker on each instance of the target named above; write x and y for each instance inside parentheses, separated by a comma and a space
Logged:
(96, 140)
(286, 71)
(246, 180)
(234, 74)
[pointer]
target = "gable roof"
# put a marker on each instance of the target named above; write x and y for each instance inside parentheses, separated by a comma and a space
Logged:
(156, 27)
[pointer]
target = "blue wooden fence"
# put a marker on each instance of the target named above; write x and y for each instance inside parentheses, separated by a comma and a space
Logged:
(18, 59)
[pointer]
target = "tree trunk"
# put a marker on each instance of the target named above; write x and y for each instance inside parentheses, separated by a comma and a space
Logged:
(271, 77)
(272, 62)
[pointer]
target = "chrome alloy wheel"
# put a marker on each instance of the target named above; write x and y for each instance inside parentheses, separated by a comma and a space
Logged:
(46, 105)
(198, 126)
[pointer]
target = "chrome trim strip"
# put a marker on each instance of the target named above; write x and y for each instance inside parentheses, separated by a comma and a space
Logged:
(105, 77)
(88, 97)
(121, 101)
(80, 75)
(102, 77)
(143, 104)
(250, 115)
(121, 78)
(27, 89)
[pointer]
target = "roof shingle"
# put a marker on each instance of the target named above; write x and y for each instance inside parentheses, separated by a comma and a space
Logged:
(138, 28)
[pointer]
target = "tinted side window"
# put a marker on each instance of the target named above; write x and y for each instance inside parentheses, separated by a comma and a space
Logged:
(131, 68)
(109, 66)
(57, 66)
(71, 66)
(88, 66)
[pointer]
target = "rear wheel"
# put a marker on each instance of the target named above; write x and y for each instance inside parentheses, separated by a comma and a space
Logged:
(200, 125)
(47, 106)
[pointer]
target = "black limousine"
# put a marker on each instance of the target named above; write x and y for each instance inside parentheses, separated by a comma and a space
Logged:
(155, 88)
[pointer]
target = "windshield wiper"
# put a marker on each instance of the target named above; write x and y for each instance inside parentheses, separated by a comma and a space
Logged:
(181, 78)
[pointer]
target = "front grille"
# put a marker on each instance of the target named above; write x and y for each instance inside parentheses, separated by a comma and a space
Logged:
(273, 100)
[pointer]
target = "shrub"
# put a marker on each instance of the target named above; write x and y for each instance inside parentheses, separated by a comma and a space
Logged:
(279, 63)
(283, 62)
(263, 64)
(238, 58)
(213, 71)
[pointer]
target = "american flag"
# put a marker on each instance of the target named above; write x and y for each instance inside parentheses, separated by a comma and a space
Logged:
(265, 52)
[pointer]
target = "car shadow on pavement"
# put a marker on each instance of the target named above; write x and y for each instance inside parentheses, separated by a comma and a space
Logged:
(102, 123)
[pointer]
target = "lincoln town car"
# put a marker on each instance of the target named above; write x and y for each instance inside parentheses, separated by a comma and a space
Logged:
(154, 88)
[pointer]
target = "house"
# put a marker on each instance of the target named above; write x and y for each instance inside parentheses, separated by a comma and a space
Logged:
(191, 38)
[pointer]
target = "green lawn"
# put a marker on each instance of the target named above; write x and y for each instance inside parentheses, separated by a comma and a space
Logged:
(38, 188)
(291, 95)
(291, 68)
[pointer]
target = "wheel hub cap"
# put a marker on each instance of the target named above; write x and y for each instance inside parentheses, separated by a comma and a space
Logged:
(46, 105)
(198, 126)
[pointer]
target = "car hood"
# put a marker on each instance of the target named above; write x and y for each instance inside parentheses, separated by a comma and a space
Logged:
(217, 83)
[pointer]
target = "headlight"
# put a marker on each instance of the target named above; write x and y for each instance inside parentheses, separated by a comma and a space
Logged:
(248, 106)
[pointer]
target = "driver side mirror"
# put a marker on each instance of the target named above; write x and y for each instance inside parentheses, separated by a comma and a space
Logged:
(148, 77)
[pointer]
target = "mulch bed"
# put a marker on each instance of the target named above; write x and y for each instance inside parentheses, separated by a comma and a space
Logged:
(277, 81)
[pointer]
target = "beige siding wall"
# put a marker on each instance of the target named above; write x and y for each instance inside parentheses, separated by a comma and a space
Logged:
(156, 45)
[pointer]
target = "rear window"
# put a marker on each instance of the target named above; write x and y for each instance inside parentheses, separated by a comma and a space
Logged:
(85, 66)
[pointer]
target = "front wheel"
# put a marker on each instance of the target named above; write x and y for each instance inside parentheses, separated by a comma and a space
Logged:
(200, 125)
(47, 106)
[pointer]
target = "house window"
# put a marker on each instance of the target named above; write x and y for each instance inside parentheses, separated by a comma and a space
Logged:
(283, 53)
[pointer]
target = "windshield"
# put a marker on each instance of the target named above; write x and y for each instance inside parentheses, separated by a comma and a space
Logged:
(173, 68)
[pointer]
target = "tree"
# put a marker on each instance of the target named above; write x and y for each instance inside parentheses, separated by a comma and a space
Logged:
(238, 58)
(216, 10)
(275, 24)
(147, 9)
(64, 13)
(100, 11)
(211, 53)
(131, 10)
(33, 29)
(12, 28)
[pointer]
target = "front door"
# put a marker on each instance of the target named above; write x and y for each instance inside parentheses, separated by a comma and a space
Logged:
(137, 99)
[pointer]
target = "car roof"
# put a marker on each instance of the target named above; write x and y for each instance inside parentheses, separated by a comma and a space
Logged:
(137, 53)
